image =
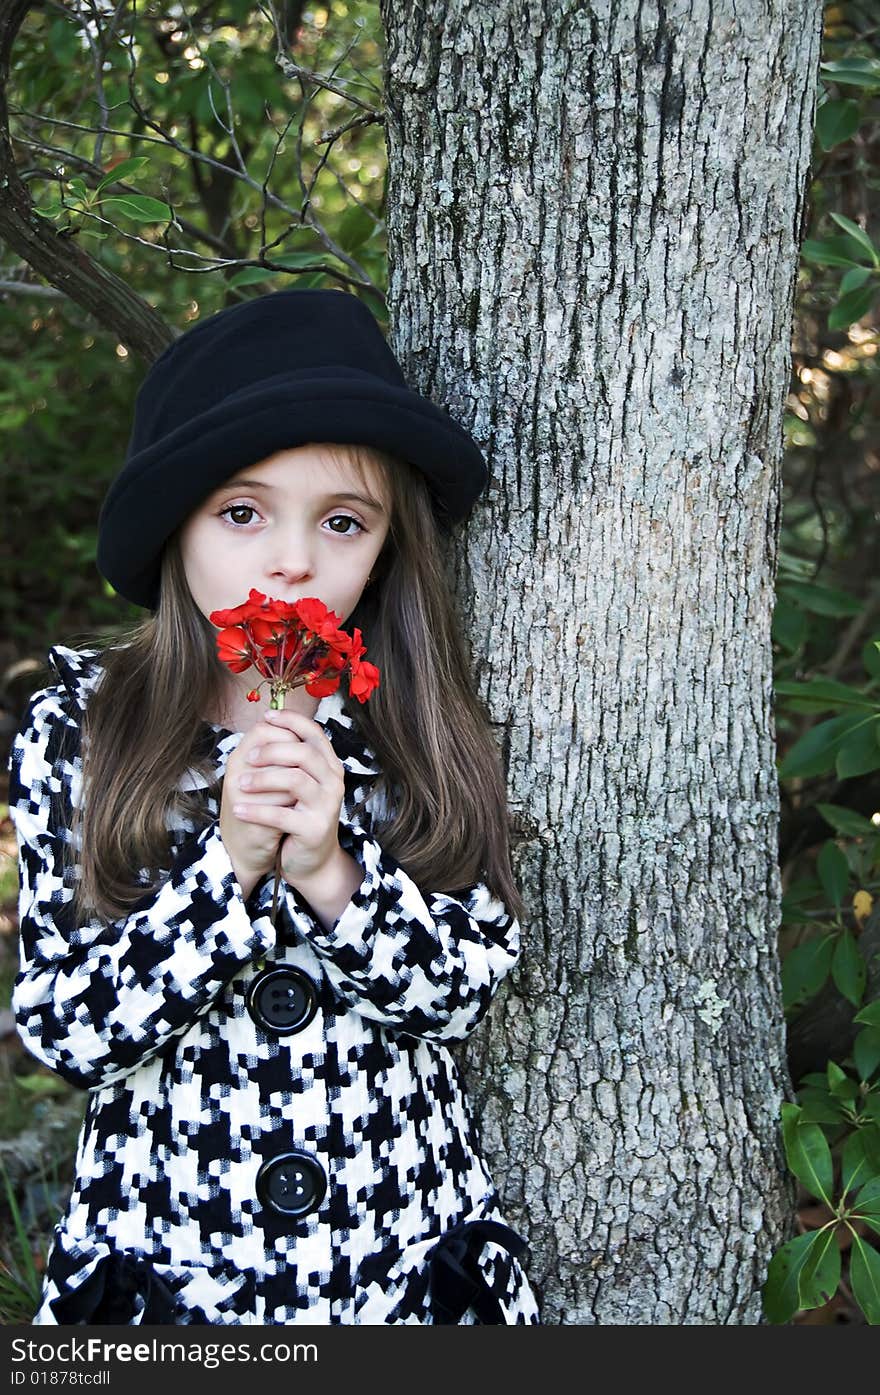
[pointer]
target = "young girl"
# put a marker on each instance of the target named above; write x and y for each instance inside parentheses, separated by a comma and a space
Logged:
(275, 1129)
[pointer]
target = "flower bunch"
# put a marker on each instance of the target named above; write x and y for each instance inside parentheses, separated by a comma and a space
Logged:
(292, 643)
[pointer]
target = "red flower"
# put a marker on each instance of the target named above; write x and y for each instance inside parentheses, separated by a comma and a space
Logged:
(292, 644)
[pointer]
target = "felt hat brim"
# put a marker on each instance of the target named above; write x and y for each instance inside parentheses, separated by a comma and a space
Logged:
(163, 483)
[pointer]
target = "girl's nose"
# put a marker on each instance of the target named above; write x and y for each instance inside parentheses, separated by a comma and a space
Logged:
(290, 563)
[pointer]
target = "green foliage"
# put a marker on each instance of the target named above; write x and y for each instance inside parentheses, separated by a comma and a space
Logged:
(217, 184)
(828, 726)
(20, 1280)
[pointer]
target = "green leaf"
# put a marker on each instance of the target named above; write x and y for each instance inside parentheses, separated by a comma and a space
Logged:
(815, 752)
(808, 1154)
(851, 307)
(837, 120)
(51, 210)
(822, 600)
(870, 657)
(820, 1272)
(859, 752)
(789, 627)
(846, 822)
(840, 1084)
(871, 1106)
(781, 1291)
(821, 1111)
(857, 72)
(869, 1016)
(848, 968)
(832, 251)
(805, 969)
(864, 1278)
(866, 1052)
(122, 171)
(855, 1164)
(818, 694)
(355, 226)
(138, 207)
(857, 234)
(833, 870)
(856, 276)
(250, 274)
(868, 1198)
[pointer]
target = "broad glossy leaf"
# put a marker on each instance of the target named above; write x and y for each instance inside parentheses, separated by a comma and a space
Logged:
(856, 276)
(805, 969)
(832, 251)
(855, 1166)
(123, 170)
(815, 752)
(842, 1086)
(848, 968)
(818, 694)
(869, 1015)
(790, 626)
(823, 600)
(139, 207)
(781, 1291)
(855, 72)
(822, 1111)
(833, 870)
(251, 274)
(851, 307)
(808, 1154)
(849, 823)
(837, 120)
(820, 1272)
(859, 752)
(857, 233)
(866, 1052)
(871, 1139)
(864, 1278)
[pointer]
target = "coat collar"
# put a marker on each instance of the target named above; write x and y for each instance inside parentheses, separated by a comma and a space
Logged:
(80, 670)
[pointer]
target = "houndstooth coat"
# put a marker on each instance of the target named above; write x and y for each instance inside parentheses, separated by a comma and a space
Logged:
(275, 1131)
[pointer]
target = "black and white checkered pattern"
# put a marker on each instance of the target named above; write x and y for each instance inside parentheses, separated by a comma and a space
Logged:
(189, 1095)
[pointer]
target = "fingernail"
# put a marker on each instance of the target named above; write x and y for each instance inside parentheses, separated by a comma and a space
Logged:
(246, 781)
(254, 754)
(239, 808)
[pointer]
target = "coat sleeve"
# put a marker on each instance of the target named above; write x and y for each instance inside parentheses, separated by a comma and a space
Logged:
(93, 1001)
(428, 964)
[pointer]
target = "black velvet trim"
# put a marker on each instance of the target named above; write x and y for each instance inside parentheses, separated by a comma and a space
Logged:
(456, 1281)
(108, 1295)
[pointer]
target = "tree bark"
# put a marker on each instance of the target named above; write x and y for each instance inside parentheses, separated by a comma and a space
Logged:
(595, 214)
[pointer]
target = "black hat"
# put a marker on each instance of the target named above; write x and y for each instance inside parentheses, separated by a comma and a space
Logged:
(284, 369)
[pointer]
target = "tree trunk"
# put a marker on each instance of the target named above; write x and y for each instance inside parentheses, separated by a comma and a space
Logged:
(594, 228)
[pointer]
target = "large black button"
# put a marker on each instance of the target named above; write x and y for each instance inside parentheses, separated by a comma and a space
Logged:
(282, 1000)
(292, 1183)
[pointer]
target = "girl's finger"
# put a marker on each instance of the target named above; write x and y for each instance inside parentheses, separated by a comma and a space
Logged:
(307, 729)
(279, 816)
(290, 754)
(285, 779)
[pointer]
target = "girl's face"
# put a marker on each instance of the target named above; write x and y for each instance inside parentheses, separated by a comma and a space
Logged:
(295, 524)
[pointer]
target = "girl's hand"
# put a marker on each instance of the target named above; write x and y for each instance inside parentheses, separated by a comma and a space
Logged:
(297, 785)
(252, 849)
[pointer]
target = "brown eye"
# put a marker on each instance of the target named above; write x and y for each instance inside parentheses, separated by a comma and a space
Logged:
(237, 508)
(345, 518)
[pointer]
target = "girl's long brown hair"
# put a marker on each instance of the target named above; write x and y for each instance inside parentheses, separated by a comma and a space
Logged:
(447, 823)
